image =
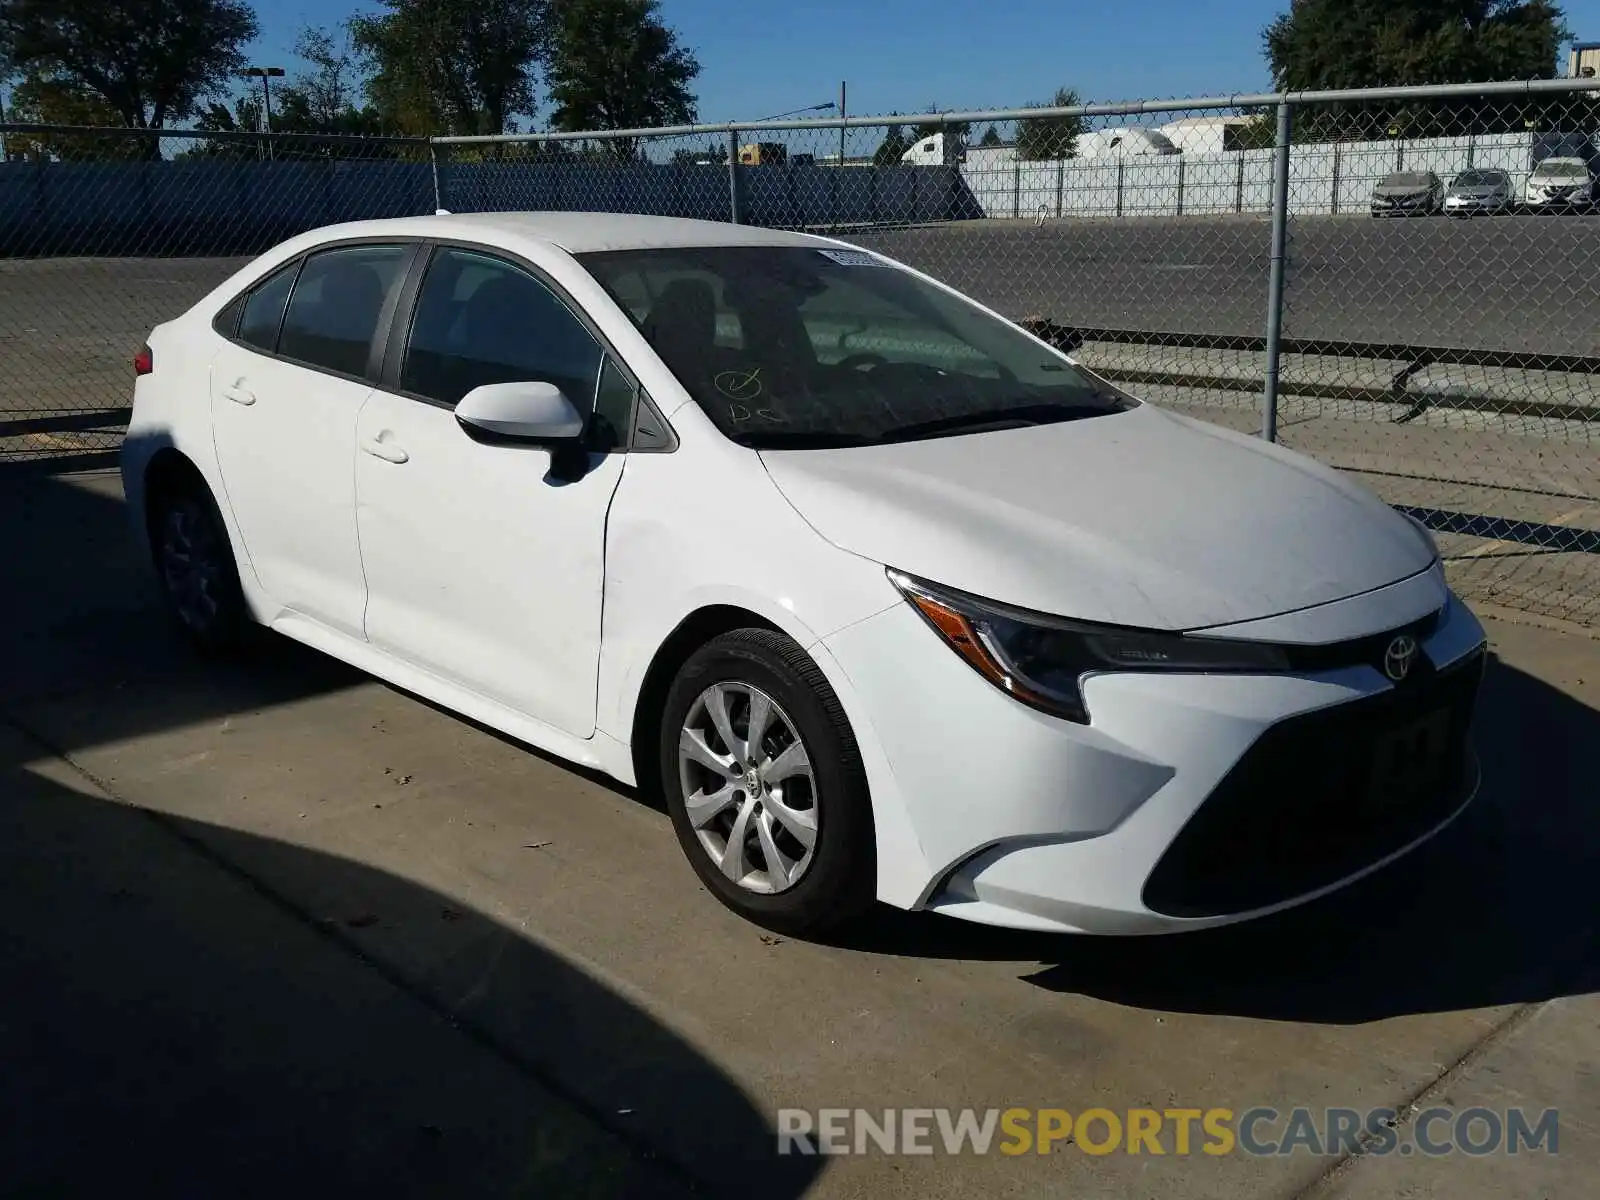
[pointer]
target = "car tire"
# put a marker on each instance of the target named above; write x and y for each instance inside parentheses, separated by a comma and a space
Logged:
(718, 785)
(196, 569)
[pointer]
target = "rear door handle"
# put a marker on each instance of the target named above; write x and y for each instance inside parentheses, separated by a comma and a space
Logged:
(387, 451)
(240, 394)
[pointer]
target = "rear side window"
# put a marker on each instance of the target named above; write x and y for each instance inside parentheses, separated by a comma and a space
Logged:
(263, 310)
(481, 320)
(334, 310)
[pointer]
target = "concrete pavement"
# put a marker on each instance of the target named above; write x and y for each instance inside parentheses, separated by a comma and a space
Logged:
(384, 918)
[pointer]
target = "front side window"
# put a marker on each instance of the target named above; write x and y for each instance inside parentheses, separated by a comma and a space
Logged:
(333, 313)
(789, 346)
(263, 311)
(482, 320)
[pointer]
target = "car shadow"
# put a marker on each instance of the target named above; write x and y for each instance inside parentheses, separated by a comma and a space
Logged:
(1498, 909)
(173, 1024)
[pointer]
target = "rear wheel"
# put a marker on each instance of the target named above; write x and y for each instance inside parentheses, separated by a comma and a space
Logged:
(764, 784)
(195, 565)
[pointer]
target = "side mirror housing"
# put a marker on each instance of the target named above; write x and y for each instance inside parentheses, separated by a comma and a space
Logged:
(538, 413)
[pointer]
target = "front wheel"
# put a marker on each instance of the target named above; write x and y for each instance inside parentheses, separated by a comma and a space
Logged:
(765, 786)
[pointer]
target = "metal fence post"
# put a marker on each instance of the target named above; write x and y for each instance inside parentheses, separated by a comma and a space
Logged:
(735, 180)
(1061, 184)
(433, 161)
(1238, 185)
(1337, 158)
(1280, 239)
(1016, 188)
(1180, 184)
(1121, 165)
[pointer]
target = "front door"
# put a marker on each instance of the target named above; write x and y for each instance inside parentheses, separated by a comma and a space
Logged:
(481, 567)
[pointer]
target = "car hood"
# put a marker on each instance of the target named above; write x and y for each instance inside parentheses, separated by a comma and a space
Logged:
(1140, 518)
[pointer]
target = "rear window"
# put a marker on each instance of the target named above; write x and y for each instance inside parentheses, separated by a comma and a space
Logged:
(333, 313)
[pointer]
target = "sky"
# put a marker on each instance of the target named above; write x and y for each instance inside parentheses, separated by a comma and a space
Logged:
(760, 58)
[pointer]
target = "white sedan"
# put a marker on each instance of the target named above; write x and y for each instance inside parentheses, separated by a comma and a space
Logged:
(888, 597)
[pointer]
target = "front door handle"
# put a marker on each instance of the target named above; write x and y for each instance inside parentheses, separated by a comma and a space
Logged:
(240, 394)
(387, 451)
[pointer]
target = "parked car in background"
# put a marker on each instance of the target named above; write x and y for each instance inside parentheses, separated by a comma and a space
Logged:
(1479, 190)
(1408, 194)
(1560, 185)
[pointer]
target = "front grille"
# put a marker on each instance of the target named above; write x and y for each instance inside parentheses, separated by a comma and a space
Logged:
(1320, 796)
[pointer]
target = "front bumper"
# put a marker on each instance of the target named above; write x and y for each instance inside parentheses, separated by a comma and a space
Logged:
(1476, 204)
(1189, 801)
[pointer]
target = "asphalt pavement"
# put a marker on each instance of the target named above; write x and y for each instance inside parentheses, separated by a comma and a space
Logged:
(1517, 284)
(273, 928)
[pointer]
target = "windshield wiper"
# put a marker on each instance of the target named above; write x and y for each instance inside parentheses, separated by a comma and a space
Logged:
(999, 418)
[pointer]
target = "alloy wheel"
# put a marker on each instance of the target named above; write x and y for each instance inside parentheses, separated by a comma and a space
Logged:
(192, 565)
(748, 787)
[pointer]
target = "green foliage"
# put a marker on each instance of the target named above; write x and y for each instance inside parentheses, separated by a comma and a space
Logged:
(452, 66)
(1040, 138)
(892, 149)
(991, 137)
(615, 65)
(149, 62)
(52, 102)
(1326, 44)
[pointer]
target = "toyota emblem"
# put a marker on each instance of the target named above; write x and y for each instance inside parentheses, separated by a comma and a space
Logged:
(1400, 657)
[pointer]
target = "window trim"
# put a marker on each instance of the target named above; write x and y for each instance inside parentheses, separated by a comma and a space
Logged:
(404, 317)
(381, 333)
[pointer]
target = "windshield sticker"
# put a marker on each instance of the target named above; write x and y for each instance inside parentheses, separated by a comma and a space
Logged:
(852, 258)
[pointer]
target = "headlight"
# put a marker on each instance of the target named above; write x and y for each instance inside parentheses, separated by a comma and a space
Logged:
(1042, 660)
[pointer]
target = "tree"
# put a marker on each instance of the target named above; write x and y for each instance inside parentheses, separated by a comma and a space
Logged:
(892, 149)
(1040, 138)
(991, 137)
(38, 101)
(151, 63)
(615, 65)
(1321, 44)
(453, 66)
(1376, 43)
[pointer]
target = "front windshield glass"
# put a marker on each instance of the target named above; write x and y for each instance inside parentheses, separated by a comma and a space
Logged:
(789, 346)
(1479, 178)
(1552, 169)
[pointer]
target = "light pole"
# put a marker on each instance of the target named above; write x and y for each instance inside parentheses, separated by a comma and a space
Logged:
(809, 108)
(266, 75)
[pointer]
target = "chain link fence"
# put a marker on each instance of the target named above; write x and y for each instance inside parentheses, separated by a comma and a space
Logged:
(1402, 283)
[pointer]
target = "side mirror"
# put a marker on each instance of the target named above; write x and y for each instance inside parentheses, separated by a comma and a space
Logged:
(527, 412)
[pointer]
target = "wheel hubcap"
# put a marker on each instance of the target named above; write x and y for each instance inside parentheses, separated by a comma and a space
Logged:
(191, 565)
(748, 787)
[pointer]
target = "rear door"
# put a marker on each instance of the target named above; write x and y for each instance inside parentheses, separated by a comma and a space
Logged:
(286, 391)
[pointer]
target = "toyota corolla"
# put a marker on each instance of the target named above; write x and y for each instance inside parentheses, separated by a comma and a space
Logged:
(889, 598)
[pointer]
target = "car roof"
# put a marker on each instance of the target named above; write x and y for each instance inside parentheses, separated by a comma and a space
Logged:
(575, 232)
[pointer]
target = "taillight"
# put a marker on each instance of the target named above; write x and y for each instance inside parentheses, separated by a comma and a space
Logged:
(144, 362)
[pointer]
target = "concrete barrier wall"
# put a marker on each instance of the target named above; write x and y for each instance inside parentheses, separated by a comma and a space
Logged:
(222, 207)
(1324, 177)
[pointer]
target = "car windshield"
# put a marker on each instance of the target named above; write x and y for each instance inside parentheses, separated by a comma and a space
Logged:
(1480, 178)
(1555, 169)
(799, 347)
(1406, 179)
